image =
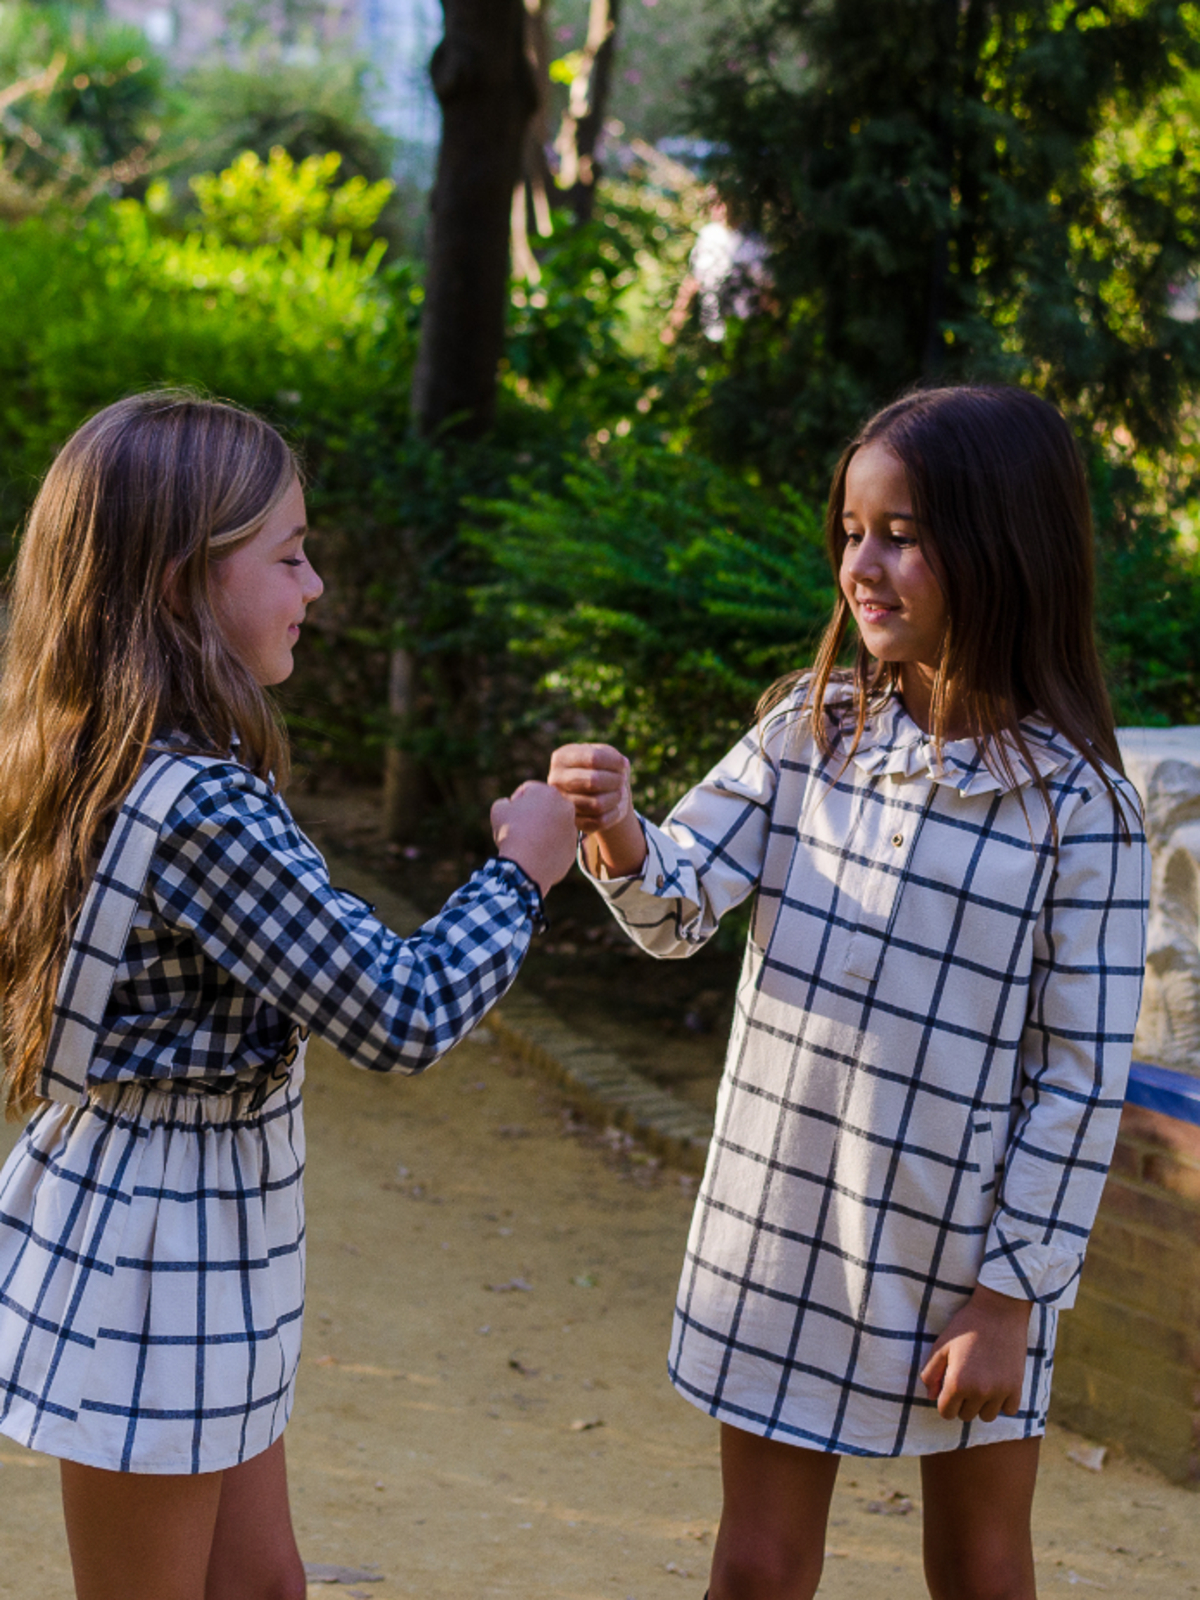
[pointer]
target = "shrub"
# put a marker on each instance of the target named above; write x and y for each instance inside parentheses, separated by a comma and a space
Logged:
(658, 595)
(307, 332)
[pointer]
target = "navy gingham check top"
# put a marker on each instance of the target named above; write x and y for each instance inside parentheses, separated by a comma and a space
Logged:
(239, 936)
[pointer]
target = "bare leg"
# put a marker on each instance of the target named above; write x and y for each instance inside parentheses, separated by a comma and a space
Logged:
(978, 1503)
(771, 1543)
(254, 1554)
(212, 1536)
(139, 1536)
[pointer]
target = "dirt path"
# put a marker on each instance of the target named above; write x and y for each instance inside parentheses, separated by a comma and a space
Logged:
(521, 1440)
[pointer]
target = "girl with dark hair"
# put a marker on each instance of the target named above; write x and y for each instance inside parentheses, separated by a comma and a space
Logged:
(936, 1009)
(168, 938)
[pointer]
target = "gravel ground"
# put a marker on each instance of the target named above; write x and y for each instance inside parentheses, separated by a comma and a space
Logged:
(483, 1409)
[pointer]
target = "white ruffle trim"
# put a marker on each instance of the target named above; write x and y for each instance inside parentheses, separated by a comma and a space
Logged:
(892, 743)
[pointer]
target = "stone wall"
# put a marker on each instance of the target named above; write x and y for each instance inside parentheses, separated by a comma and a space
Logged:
(1127, 1371)
(1164, 764)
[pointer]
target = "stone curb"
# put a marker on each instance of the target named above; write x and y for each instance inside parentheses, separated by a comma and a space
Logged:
(600, 1084)
(597, 1082)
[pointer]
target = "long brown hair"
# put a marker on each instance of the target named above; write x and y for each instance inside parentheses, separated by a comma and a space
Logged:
(1003, 517)
(97, 660)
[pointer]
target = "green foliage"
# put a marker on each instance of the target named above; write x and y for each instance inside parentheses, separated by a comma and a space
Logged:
(659, 596)
(265, 203)
(307, 332)
(986, 190)
(1148, 607)
(94, 124)
(568, 334)
(263, 99)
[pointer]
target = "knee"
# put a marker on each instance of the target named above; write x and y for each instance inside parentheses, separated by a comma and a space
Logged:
(967, 1579)
(289, 1584)
(284, 1581)
(761, 1569)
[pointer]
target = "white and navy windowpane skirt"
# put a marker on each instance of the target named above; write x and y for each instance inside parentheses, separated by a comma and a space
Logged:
(152, 1277)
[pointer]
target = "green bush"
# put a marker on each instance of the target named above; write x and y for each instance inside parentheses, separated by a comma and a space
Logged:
(257, 202)
(583, 572)
(658, 595)
(93, 127)
(1147, 606)
(310, 333)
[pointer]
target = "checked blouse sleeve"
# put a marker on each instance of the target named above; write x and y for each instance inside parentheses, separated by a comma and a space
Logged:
(233, 870)
(707, 856)
(1088, 961)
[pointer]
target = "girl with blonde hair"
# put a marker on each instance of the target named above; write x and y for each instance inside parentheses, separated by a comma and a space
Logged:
(168, 938)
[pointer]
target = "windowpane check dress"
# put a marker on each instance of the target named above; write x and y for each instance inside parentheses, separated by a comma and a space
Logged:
(152, 1214)
(932, 1035)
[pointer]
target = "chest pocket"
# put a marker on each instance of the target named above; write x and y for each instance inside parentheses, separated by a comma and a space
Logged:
(880, 856)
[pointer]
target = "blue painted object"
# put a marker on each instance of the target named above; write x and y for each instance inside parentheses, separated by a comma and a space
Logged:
(1174, 1094)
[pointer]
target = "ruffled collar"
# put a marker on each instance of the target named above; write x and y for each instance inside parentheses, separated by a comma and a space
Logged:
(893, 745)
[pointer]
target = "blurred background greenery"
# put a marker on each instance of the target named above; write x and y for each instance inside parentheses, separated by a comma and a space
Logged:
(630, 548)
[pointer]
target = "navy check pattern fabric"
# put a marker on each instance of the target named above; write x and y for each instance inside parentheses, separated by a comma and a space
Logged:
(932, 1035)
(152, 1226)
(152, 1277)
(239, 935)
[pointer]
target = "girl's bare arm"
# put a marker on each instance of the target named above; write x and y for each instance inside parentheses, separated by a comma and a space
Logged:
(595, 778)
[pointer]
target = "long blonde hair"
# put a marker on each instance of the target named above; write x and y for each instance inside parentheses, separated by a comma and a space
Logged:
(98, 660)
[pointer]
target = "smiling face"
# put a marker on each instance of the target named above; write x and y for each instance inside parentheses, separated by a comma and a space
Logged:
(891, 589)
(261, 591)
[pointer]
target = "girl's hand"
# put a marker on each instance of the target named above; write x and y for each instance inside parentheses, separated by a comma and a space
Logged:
(535, 827)
(977, 1368)
(595, 779)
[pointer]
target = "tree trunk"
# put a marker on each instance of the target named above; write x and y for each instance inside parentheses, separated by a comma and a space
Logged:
(487, 93)
(583, 121)
(531, 197)
(403, 780)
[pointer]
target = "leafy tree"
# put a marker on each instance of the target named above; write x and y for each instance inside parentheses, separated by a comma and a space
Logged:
(485, 84)
(993, 189)
(657, 48)
(93, 122)
(659, 596)
(261, 100)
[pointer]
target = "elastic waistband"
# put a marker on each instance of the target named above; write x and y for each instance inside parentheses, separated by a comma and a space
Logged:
(151, 1104)
(166, 1104)
(190, 1104)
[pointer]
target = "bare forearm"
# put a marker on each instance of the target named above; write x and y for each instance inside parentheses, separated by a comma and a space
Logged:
(621, 849)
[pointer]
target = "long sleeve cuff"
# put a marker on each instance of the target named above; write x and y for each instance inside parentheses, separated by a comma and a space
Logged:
(527, 888)
(1027, 1269)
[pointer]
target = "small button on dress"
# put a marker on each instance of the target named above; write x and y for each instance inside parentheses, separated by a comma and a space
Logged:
(927, 1067)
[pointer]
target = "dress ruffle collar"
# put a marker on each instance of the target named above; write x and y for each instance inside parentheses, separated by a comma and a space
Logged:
(893, 745)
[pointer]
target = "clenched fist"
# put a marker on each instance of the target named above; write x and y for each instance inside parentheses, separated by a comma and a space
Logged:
(535, 827)
(595, 779)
